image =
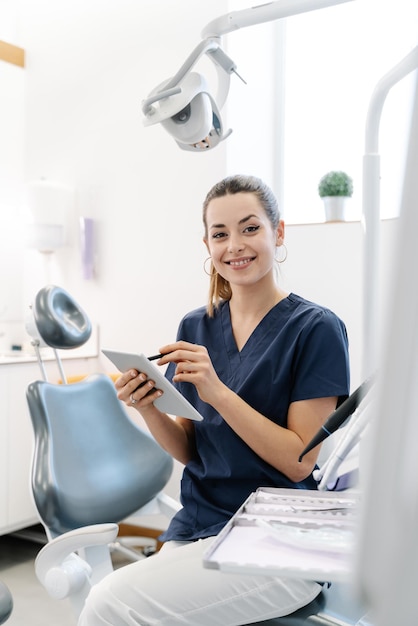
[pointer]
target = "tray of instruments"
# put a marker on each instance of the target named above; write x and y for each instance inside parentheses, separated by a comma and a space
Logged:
(290, 532)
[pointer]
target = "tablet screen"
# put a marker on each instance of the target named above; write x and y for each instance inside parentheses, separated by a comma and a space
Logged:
(171, 401)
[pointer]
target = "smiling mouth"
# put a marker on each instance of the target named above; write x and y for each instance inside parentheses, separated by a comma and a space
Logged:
(240, 262)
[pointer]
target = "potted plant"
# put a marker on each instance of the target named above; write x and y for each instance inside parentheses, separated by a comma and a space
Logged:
(335, 188)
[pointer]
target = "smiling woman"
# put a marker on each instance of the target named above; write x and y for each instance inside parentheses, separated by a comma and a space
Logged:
(264, 368)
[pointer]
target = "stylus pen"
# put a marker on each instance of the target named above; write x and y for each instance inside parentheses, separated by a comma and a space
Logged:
(154, 357)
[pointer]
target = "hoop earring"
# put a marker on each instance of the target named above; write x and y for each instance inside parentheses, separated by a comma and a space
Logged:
(285, 254)
(213, 272)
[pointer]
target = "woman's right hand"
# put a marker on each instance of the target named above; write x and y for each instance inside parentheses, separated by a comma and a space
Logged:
(135, 389)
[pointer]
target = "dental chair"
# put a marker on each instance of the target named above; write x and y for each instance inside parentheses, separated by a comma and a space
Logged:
(90, 461)
(92, 468)
(6, 603)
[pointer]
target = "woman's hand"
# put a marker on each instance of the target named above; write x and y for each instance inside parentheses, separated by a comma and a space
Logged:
(176, 436)
(135, 389)
(193, 365)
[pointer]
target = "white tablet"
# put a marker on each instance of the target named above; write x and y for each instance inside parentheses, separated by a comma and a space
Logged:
(171, 401)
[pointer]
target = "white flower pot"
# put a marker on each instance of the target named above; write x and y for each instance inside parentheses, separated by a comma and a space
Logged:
(335, 208)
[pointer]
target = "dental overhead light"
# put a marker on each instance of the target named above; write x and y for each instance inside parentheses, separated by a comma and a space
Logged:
(184, 105)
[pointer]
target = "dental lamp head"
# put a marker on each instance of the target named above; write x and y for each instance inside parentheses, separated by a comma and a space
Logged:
(184, 105)
(188, 113)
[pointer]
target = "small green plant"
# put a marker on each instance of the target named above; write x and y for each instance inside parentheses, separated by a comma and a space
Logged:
(335, 184)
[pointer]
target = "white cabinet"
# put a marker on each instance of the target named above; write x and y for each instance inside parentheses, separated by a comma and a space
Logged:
(16, 438)
(20, 509)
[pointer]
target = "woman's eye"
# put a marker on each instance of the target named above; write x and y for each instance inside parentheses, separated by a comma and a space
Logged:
(251, 229)
(218, 235)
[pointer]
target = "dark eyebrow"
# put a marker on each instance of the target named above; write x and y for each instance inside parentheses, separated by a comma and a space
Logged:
(243, 221)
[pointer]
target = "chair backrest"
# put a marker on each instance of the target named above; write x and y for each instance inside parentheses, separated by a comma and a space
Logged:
(91, 463)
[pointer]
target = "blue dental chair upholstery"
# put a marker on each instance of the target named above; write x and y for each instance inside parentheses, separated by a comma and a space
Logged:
(91, 463)
(6, 603)
(92, 466)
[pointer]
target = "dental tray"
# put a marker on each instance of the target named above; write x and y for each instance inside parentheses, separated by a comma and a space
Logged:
(290, 532)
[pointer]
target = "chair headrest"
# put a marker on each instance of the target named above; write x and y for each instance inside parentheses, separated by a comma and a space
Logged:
(60, 321)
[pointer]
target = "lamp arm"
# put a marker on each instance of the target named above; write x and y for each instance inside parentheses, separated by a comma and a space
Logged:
(381, 90)
(263, 13)
(207, 45)
(371, 207)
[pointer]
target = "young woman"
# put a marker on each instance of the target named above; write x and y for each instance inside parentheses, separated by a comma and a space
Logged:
(265, 368)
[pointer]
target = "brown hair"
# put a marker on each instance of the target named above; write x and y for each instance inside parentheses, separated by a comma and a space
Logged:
(219, 288)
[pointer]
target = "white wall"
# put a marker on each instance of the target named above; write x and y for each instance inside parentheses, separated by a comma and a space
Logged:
(325, 264)
(89, 65)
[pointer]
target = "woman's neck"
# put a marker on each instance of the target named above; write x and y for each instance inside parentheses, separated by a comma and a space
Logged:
(248, 307)
(257, 299)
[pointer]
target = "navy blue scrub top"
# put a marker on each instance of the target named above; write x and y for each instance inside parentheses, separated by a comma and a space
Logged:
(298, 351)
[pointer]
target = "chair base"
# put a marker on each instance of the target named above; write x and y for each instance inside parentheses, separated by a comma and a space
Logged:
(131, 530)
(134, 543)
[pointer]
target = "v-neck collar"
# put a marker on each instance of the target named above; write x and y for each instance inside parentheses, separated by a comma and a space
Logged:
(258, 336)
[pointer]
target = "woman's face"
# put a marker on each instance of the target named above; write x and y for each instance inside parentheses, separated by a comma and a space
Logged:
(240, 238)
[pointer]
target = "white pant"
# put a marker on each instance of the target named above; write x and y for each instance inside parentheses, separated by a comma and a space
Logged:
(173, 588)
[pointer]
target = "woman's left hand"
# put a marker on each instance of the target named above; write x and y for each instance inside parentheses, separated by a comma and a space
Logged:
(193, 365)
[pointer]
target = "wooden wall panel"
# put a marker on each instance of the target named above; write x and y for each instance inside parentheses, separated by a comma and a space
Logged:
(12, 54)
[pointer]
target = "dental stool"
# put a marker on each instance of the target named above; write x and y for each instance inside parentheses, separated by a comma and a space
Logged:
(6, 603)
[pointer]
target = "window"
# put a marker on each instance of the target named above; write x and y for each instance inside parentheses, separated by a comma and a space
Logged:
(325, 66)
(334, 58)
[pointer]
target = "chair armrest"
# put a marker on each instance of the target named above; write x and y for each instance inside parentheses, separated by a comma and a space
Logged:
(61, 571)
(168, 505)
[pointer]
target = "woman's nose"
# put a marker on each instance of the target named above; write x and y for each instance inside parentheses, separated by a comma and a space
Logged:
(235, 244)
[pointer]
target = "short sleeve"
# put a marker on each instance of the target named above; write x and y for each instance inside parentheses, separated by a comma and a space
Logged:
(321, 364)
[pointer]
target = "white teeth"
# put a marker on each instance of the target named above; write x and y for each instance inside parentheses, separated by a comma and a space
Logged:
(239, 262)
